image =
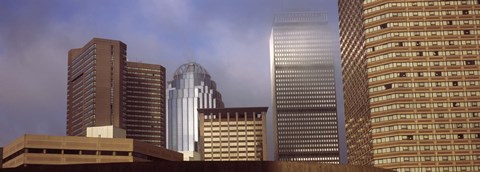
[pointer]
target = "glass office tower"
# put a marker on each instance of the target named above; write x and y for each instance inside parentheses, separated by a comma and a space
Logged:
(303, 88)
(191, 88)
(422, 65)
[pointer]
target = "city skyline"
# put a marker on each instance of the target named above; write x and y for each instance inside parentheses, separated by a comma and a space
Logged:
(225, 39)
(403, 93)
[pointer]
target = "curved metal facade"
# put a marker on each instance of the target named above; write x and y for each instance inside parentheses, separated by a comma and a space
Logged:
(192, 88)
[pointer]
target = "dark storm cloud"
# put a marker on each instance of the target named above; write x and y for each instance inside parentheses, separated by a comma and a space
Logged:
(229, 38)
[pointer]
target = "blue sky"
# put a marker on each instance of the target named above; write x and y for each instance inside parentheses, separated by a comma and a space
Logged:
(228, 37)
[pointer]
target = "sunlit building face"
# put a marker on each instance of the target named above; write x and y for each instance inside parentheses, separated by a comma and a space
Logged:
(303, 88)
(422, 61)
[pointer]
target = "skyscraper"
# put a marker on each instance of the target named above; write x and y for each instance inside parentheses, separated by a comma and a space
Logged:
(191, 88)
(105, 89)
(145, 108)
(422, 65)
(303, 88)
(355, 83)
(95, 75)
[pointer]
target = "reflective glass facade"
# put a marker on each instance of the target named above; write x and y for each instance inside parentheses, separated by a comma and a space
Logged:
(303, 88)
(423, 69)
(191, 88)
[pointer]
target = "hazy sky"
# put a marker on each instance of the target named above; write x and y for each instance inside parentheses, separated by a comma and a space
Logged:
(228, 37)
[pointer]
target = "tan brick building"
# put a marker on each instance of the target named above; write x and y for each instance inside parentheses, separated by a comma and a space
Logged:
(106, 89)
(422, 61)
(233, 134)
(49, 150)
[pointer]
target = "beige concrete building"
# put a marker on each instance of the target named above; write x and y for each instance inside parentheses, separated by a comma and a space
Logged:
(422, 61)
(106, 132)
(233, 134)
(50, 150)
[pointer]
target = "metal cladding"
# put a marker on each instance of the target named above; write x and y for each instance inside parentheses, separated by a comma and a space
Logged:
(192, 88)
(303, 88)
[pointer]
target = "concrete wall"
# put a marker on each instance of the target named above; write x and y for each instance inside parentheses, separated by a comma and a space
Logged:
(106, 132)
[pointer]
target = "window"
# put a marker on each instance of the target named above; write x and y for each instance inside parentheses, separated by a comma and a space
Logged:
(465, 12)
(420, 74)
(388, 86)
(121, 153)
(456, 104)
(466, 32)
(89, 152)
(71, 152)
(470, 62)
(31, 150)
(449, 22)
(53, 151)
(402, 74)
(435, 53)
(418, 43)
(460, 136)
(438, 73)
(106, 152)
(455, 83)
(383, 26)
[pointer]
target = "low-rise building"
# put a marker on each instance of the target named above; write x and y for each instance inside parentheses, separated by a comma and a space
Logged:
(55, 150)
(233, 134)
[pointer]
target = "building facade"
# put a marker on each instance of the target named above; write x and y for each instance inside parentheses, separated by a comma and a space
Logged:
(233, 134)
(422, 61)
(355, 83)
(57, 150)
(145, 108)
(105, 89)
(303, 88)
(95, 75)
(191, 88)
(227, 166)
(1, 157)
